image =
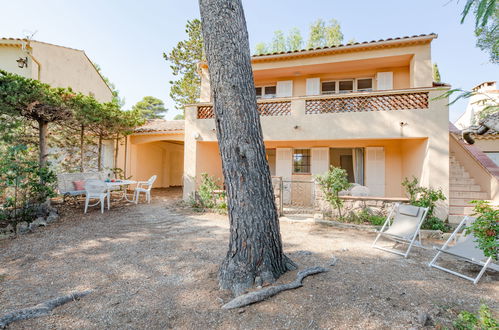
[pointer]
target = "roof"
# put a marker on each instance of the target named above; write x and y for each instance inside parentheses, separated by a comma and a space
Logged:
(405, 39)
(490, 134)
(161, 125)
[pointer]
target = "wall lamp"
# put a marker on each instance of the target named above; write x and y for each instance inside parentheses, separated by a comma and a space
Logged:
(22, 62)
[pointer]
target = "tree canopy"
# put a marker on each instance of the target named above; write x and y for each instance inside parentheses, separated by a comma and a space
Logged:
(486, 14)
(321, 34)
(184, 59)
(150, 107)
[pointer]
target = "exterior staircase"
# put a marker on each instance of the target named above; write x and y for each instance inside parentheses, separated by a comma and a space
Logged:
(463, 189)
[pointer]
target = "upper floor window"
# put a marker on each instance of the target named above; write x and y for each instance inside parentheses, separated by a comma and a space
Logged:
(265, 92)
(364, 85)
(328, 87)
(301, 161)
(347, 86)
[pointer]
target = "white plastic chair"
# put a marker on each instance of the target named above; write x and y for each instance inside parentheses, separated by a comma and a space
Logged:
(402, 225)
(465, 248)
(145, 187)
(96, 189)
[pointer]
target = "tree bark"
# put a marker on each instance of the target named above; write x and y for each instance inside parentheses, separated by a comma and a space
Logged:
(82, 146)
(42, 142)
(255, 246)
(99, 156)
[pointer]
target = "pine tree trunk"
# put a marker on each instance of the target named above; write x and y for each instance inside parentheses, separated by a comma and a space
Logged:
(116, 146)
(255, 247)
(42, 142)
(99, 156)
(82, 146)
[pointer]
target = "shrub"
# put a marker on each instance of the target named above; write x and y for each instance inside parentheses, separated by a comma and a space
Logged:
(331, 183)
(426, 197)
(23, 185)
(484, 320)
(206, 197)
(486, 228)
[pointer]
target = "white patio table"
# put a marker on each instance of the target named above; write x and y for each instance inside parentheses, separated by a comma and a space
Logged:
(120, 183)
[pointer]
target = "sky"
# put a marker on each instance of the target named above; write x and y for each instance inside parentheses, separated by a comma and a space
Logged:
(127, 37)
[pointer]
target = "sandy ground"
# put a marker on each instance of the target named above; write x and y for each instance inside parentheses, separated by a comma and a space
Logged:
(155, 266)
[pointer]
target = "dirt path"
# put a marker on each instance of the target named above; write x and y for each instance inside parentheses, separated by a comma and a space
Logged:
(154, 266)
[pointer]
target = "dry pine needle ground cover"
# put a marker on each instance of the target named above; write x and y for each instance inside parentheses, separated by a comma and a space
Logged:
(155, 266)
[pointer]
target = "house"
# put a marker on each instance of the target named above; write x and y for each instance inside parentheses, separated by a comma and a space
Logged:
(57, 66)
(486, 94)
(369, 107)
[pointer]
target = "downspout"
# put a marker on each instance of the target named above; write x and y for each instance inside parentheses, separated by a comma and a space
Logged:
(38, 65)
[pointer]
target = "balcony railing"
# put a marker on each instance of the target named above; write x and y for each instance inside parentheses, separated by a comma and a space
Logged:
(375, 101)
(387, 102)
(276, 108)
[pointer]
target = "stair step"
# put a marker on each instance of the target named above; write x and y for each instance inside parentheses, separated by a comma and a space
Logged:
(468, 195)
(465, 187)
(455, 219)
(461, 210)
(460, 201)
(468, 181)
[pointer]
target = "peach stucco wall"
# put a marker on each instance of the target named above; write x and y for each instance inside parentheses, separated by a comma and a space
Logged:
(154, 154)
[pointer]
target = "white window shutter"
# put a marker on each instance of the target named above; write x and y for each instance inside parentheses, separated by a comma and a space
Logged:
(313, 86)
(384, 80)
(319, 161)
(375, 171)
(284, 88)
(283, 168)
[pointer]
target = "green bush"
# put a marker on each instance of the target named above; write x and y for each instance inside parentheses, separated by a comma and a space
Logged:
(486, 228)
(484, 320)
(23, 185)
(331, 183)
(364, 217)
(426, 197)
(206, 198)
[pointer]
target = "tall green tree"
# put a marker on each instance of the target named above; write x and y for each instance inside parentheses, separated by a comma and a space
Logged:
(34, 101)
(261, 48)
(486, 14)
(436, 73)
(279, 42)
(323, 34)
(184, 58)
(294, 40)
(150, 107)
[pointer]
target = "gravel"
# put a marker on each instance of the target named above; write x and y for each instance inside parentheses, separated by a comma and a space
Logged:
(155, 266)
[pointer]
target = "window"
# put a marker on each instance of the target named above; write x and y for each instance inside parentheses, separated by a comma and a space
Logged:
(345, 86)
(328, 87)
(266, 92)
(258, 91)
(364, 85)
(301, 161)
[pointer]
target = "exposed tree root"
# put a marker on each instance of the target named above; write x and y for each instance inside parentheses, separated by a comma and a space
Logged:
(256, 296)
(40, 309)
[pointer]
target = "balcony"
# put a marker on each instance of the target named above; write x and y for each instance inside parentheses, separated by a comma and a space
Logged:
(391, 114)
(338, 103)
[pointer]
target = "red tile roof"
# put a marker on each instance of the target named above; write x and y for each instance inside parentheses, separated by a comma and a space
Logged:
(162, 125)
(372, 42)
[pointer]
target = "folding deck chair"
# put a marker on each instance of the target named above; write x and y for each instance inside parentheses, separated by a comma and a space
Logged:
(402, 225)
(465, 248)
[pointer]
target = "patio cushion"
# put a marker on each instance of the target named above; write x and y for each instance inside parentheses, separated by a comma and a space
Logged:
(79, 185)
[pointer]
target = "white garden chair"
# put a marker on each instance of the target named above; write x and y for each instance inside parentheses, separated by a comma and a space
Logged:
(402, 225)
(145, 187)
(464, 248)
(96, 189)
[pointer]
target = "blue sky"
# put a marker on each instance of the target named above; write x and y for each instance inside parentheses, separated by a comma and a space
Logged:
(127, 38)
